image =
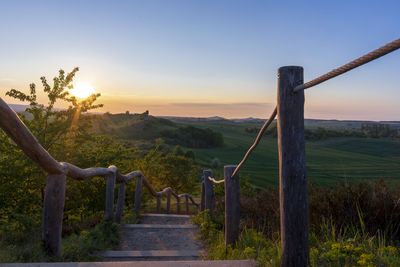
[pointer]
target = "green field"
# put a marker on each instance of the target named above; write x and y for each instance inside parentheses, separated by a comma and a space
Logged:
(328, 161)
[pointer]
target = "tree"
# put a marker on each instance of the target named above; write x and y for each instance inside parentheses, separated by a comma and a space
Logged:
(60, 131)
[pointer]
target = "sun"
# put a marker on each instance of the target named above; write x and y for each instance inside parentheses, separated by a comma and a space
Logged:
(82, 90)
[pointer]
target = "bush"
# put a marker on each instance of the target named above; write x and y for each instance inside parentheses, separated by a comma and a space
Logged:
(350, 225)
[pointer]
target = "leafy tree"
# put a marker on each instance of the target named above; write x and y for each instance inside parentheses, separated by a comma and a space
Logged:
(62, 132)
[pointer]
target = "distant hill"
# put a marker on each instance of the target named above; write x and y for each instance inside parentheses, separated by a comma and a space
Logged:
(309, 123)
(145, 127)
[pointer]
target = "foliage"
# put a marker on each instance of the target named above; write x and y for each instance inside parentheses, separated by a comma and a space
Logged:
(251, 244)
(81, 246)
(344, 204)
(194, 137)
(67, 136)
(165, 168)
(328, 247)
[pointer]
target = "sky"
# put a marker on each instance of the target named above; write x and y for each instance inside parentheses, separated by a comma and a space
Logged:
(206, 57)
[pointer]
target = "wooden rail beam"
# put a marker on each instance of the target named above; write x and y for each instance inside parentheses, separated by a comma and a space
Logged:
(292, 168)
(22, 136)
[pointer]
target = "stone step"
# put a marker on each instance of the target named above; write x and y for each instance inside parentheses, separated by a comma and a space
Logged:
(159, 226)
(164, 219)
(146, 255)
(227, 263)
(159, 237)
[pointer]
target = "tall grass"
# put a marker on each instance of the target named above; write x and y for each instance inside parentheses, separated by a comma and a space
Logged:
(83, 245)
(350, 225)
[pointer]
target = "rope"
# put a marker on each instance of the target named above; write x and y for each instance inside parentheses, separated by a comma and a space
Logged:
(258, 139)
(386, 49)
(216, 181)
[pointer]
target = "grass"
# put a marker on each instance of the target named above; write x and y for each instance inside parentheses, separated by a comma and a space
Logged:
(328, 161)
(350, 247)
(76, 247)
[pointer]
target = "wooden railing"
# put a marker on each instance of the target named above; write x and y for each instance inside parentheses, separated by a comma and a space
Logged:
(232, 200)
(54, 197)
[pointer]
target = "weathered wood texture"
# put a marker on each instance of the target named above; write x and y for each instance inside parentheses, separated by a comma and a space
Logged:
(203, 197)
(20, 134)
(209, 190)
(292, 169)
(120, 202)
(178, 205)
(110, 183)
(168, 201)
(187, 203)
(138, 194)
(232, 205)
(158, 196)
(54, 200)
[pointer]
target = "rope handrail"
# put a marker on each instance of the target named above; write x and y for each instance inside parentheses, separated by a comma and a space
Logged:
(377, 53)
(216, 181)
(256, 141)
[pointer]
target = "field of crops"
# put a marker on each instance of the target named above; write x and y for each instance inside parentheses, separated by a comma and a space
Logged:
(329, 161)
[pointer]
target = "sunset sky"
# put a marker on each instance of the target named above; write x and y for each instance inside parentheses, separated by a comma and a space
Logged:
(206, 58)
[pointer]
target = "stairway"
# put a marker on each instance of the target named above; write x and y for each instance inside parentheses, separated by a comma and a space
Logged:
(157, 237)
(163, 240)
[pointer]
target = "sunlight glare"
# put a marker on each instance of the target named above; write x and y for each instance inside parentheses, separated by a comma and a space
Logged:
(82, 90)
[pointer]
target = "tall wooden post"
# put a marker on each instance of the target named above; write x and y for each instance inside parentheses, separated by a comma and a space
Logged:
(232, 205)
(110, 183)
(292, 169)
(120, 202)
(138, 194)
(187, 203)
(158, 196)
(54, 200)
(178, 205)
(208, 190)
(203, 196)
(169, 201)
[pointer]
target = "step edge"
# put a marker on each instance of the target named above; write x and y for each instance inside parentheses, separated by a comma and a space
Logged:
(160, 226)
(165, 215)
(150, 253)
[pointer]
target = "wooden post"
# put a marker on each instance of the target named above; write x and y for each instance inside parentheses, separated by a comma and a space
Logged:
(178, 205)
(292, 169)
(120, 202)
(209, 191)
(138, 194)
(232, 205)
(109, 210)
(54, 200)
(187, 203)
(169, 201)
(202, 201)
(158, 202)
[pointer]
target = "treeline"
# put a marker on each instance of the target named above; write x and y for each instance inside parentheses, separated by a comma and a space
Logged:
(320, 133)
(377, 130)
(193, 137)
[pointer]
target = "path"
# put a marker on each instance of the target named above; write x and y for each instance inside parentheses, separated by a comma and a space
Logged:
(168, 239)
